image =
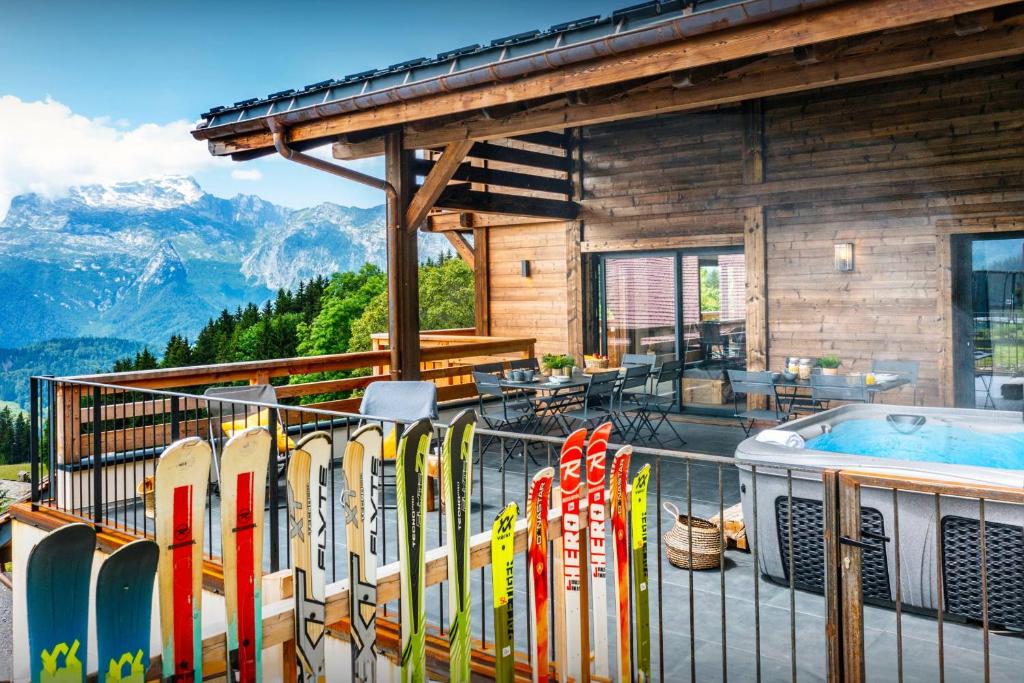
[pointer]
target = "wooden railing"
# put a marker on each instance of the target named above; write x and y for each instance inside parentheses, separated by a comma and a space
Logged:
(447, 357)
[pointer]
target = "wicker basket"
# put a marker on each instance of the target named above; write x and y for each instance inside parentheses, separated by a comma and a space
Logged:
(592, 363)
(145, 491)
(692, 542)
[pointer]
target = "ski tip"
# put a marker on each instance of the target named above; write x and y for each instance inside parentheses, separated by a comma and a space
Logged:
(546, 473)
(143, 553)
(73, 536)
(466, 417)
(184, 452)
(314, 440)
(254, 437)
(418, 429)
(577, 438)
(369, 429)
(602, 433)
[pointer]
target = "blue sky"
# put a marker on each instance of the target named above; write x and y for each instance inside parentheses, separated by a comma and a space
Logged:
(143, 71)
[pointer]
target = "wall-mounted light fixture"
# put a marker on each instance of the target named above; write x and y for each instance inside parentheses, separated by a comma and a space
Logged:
(844, 257)
(524, 268)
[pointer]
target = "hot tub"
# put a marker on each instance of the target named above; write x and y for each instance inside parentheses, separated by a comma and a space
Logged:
(970, 446)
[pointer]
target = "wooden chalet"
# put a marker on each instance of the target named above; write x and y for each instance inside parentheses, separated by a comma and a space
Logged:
(757, 142)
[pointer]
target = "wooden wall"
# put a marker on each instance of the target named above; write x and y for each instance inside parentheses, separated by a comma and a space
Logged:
(533, 306)
(877, 164)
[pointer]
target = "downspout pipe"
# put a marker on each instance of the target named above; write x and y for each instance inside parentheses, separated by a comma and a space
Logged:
(394, 209)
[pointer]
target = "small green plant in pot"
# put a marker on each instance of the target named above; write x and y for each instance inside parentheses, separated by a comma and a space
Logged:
(829, 365)
(558, 364)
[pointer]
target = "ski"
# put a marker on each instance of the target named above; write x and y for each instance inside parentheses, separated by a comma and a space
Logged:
(457, 478)
(124, 612)
(596, 448)
(308, 471)
(620, 545)
(411, 489)
(360, 490)
(640, 576)
(182, 475)
(503, 536)
(537, 508)
(573, 554)
(57, 585)
(243, 483)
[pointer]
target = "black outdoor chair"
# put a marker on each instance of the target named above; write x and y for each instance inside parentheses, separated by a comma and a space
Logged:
(663, 398)
(746, 383)
(647, 359)
(631, 397)
(827, 388)
(524, 364)
(503, 411)
(406, 401)
(490, 368)
(599, 402)
(907, 369)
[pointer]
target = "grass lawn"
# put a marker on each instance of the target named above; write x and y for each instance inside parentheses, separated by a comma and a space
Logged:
(11, 471)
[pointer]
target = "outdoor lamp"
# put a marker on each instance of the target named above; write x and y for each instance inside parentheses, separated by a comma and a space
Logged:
(844, 257)
(524, 268)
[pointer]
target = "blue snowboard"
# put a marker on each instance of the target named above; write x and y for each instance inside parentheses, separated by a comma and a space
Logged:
(59, 569)
(124, 606)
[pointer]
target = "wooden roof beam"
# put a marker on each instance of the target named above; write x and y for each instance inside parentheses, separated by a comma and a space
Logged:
(447, 221)
(462, 198)
(435, 183)
(491, 176)
(462, 247)
(880, 56)
(840, 20)
(973, 22)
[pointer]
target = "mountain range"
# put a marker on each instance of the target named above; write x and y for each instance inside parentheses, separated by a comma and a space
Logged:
(143, 260)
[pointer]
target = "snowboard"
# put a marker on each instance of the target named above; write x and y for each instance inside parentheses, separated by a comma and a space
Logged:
(308, 471)
(596, 448)
(360, 491)
(573, 554)
(456, 484)
(537, 508)
(620, 546)
(182, 475)
(57, 587)
(243, 483)
(411, 489)
(640, 574)
(503, 536)
(124, 612)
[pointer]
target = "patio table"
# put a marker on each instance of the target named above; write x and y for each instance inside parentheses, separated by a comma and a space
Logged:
(560, 395)
(791, 389)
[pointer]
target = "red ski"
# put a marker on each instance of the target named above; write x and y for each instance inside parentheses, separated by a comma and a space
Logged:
(573, 554)
(596, 448)
(537, 510)
(620, 544)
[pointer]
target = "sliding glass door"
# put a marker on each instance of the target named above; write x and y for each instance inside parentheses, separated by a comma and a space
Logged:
(988, 296)
(688, 305)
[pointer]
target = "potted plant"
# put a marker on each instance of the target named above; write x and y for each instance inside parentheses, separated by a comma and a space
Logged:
(829, 365)
(558, 364)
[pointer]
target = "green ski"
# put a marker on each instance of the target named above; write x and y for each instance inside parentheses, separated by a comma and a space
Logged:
(457, 479)
(411, 489)
(640, 574)
(503, 537)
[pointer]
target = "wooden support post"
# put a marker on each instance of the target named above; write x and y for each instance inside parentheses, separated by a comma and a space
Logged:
(403, 264)
(574, 258)
(481, 282)
(852, 605)
(754, 246)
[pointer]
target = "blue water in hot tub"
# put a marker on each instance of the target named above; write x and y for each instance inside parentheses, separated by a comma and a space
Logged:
(933, 441)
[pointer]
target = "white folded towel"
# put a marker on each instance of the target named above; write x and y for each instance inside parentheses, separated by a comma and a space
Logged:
(781, 437)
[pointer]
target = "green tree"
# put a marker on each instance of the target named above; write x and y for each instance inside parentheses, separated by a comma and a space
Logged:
(345, 299)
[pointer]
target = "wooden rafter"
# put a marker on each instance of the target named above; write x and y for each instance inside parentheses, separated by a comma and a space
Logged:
(834, 22)
(462, 247)
(460, 197)
(435, 182)
(464, 220)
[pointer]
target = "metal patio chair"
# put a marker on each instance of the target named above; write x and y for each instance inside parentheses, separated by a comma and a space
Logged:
(503, 410)
(599, 403)
(907, 369)
(405, 401)
(490, 368)
(631, 394)
(227, 417)
(662, 402)
(827, 388)
(755, 383)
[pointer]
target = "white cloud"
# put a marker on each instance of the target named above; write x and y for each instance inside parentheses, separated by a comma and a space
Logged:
(247, 174)
(46, 148)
